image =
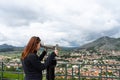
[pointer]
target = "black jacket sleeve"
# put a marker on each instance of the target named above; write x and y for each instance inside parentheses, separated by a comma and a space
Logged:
(50, 59)
(42, 55)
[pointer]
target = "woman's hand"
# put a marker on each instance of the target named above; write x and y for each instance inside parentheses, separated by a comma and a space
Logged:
(46, 49)
(56, 52)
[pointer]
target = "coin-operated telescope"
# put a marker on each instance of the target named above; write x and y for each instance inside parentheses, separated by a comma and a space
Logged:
(56, 47)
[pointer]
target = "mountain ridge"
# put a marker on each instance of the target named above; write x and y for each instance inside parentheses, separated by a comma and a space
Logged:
(6, 47)
(105, 43)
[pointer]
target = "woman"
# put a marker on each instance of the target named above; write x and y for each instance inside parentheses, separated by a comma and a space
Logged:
(31, 61)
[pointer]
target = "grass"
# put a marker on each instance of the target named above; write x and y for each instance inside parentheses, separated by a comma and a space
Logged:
(13, 76)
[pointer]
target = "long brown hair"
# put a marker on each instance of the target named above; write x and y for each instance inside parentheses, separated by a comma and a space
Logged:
(31, 46)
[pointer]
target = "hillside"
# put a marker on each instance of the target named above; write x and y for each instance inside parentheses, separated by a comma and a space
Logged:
(105, 43)
(6, 47)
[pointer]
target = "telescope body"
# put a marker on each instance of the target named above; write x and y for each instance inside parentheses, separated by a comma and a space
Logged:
(50, 47)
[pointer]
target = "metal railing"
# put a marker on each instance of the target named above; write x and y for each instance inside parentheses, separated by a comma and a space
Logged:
(89, 71)
(66, 71)
(11, 71)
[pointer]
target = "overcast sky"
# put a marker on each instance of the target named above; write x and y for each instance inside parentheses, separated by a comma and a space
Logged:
(65, 22)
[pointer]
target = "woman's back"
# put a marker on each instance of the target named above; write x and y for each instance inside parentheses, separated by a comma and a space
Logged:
(32, 67)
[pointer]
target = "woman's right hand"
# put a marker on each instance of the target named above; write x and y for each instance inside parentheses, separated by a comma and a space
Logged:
(56, 52)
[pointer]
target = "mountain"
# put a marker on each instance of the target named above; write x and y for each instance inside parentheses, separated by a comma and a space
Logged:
(104, 43)
(6, 47)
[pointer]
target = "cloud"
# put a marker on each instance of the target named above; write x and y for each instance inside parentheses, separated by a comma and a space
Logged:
(66, 22)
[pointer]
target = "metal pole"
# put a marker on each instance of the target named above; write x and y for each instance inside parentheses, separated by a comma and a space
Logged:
(101, 72)
(66, 71)
(2, 71)
(79, 71)
(18, 72)
(106, 72)
(119, 73)
(72, 72)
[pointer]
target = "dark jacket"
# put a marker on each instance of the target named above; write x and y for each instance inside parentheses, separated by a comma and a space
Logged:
(33, 67)
(50, 75)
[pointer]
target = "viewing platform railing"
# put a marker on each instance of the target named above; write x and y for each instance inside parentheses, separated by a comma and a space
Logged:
(66, 71)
